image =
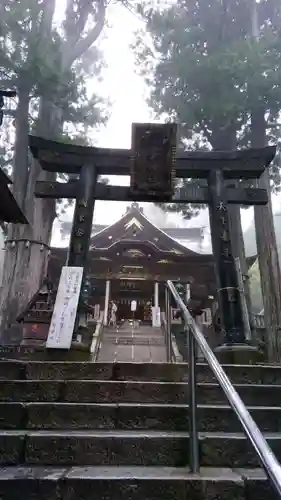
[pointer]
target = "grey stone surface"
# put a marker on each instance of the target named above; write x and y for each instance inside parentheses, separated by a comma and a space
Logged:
(30, 483)
(165, 372)
(234, 450)
(102, 391)
(131, 441)
(121, 483)
(29, 390)
(10, 369)
(152, 489)
(129, 483)
(112, 447)
(11, 447)
(107, 448)
(141, 344)
(144, 416)
(257, 485)
(125, 392)
(12, 415)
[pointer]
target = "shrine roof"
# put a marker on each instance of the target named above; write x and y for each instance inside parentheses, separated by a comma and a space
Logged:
(135, 228)
(182, 233)
(135, 236)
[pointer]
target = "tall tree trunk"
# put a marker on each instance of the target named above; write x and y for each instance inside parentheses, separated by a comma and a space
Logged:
(267, 250)
(13, 294)
(26, 256)
(27, 247)
(237, 241)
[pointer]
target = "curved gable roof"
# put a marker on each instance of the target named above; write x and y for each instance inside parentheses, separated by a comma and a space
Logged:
(134, 226)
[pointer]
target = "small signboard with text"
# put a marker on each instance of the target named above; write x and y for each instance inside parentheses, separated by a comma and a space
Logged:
(153, 160)
(65, 309)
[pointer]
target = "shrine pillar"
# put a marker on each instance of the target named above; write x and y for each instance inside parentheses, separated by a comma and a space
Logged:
(156, 316)
(106, 301)
(156, 294)
(187, 293)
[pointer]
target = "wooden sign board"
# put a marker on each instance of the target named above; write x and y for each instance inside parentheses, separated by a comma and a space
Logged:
(65, 309)
(153, 160)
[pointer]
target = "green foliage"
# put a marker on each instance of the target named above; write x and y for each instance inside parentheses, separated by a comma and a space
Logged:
(206, 71)
(53, 64)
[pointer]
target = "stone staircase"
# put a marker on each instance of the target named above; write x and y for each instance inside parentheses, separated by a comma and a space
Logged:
(128, 343)
(78, 430)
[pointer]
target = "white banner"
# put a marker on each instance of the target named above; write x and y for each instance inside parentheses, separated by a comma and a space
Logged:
(65, 309)
(156, 316)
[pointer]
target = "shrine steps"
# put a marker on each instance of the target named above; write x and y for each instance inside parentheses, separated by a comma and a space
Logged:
(129, 391)
(22, 369)
(73, 430)
(138, 483)
(134, 416)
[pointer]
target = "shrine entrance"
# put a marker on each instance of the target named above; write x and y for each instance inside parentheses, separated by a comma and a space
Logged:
(124, 311)
(124, 291)
(153, 166)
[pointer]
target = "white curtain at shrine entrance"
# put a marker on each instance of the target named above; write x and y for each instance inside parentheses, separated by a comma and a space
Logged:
(156, 315)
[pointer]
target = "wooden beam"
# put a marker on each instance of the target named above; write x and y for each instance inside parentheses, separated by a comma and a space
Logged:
(68, 158)
(191, 194)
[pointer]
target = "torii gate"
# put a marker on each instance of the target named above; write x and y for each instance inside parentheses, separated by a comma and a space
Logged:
(152, 166)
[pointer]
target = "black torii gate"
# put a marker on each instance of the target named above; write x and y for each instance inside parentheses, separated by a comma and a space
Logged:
(152, 166)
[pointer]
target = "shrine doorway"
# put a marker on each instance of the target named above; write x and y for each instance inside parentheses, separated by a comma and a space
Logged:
(124, 310)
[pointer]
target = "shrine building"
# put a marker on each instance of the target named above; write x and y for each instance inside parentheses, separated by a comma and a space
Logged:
(131, 260)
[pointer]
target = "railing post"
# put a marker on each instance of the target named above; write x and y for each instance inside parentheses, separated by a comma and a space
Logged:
(193, 432)
(168, 323)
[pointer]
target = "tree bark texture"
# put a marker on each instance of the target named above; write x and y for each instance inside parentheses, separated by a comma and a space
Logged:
(237, 241)
(267, 251)
(26, 259)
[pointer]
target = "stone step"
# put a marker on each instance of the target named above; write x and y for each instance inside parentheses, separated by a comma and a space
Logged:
(71, 416)
(132, 483)
(133, 340)
(166, 372)
(128, 448)
(103, 391)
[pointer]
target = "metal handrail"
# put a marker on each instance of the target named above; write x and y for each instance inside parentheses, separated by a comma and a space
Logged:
(264, 452)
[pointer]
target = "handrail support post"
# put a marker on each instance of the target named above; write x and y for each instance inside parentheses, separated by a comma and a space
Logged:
(168, 323)
(193, 438)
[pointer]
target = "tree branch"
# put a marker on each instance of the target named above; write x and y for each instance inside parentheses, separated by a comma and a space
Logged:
(9, 112)
(85, 43)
